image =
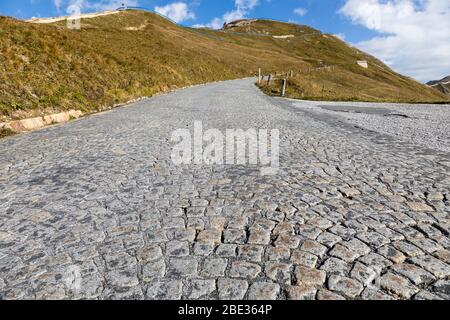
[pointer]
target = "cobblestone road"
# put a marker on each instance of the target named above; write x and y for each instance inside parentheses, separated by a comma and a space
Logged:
(95, 208)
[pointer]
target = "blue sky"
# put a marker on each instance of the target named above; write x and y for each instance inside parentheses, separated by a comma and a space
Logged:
(403, 33)
(320, 14)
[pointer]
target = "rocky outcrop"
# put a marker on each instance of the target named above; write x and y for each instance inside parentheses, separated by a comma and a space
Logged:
(442, 85)
(238, 23)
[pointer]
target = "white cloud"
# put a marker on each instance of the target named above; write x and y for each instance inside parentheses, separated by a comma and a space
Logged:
(102, 5)
(300, 12)
(177, 11)
(58, 4)
(241, 9)
(414, 35)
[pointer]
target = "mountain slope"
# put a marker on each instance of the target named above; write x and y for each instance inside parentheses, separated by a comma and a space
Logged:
(442, 85)
(46, 67)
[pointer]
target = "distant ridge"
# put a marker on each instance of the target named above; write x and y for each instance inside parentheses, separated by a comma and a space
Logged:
(82, 16)
(442, 85)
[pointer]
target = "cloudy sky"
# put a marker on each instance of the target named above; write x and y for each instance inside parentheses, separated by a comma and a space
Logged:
(412, 36)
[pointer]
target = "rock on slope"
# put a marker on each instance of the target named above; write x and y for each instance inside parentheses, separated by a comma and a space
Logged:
(442, 85)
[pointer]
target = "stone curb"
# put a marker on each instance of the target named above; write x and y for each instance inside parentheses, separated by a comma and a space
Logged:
(30, 124)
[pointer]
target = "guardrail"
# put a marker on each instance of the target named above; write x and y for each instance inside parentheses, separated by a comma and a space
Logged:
(284, 76)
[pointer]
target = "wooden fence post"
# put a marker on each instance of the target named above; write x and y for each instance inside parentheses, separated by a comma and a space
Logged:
(259, 75)
(269, 79)
(292, 73)
(283, 87)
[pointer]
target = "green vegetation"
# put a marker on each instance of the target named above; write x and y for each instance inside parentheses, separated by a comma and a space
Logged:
(47, 68)
(4, 132)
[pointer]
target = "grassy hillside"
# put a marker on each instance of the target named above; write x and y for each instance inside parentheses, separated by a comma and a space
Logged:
(46, 68)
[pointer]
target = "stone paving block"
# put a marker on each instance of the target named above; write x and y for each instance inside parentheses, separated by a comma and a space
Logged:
(165, 290)
(373, 239)
(438, 268)
(156, 236)
(125, 278)
(335, 266)
(443, 255)
(285, 228)
(217, 223)
(309, 277)
(214, 267)
(301, 293)
(153, 269)
(375, 294)
(203, 249)
(309, 231)
(235, 236)
(263, 291)
(182, 267)
(364, 274)
(344, 232)
(210, 235)
(428, 230)
(345, 286)
(425, 295)
(195, 211)
(51, 293)
(314, 248)
(177, 248)
(320, 223)
(184, 234)
(290, 241)
(327, 295)
(416, 275)
(398, 285)
(408, 249)
(390, 234)
(442, 287)
(196, 223)
(389, 252)
(250, 253)
(420, 206)
(258, 236)
(409, 232)
(199, 288)
(277, 253)
(356, 246)
(226, 250)
(231, 289)
(343, 253)
(238, 223)
(241, 269)
(91, 288)
(263, 224)
(303, 258)
(328, 239)
(278, 272)
(119, 261)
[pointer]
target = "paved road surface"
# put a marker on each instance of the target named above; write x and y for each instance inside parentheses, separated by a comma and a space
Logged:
(96, 209)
